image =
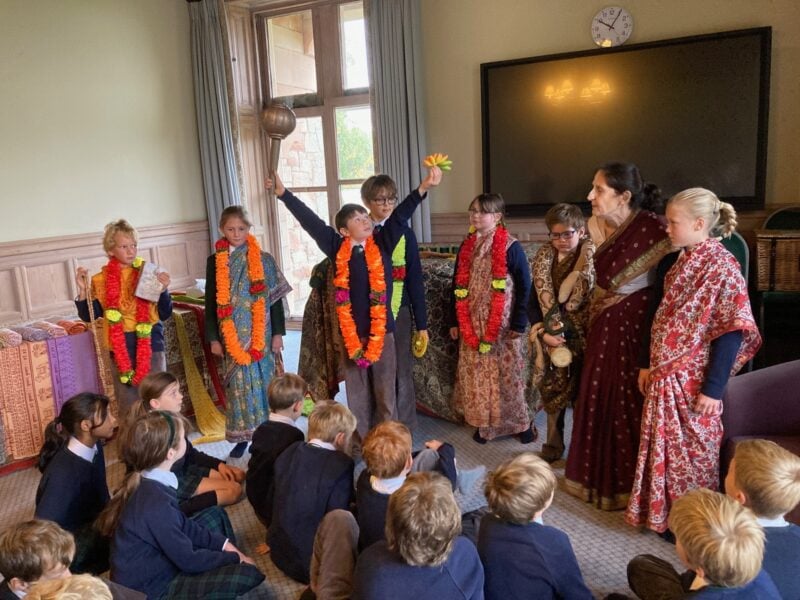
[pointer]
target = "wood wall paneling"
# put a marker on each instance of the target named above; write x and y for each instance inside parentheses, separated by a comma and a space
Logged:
(11, 295)
(37, 277)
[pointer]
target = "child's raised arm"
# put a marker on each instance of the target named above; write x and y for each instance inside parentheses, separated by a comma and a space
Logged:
(326, 236)
(393, 227)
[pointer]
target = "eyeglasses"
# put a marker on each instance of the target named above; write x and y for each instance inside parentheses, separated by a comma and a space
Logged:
(564, 235)
(382, 200)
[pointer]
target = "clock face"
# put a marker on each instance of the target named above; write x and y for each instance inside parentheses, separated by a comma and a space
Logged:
(612, 26)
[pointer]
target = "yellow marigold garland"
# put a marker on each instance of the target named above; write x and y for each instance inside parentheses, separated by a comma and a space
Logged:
(377, 303)
(255, 273)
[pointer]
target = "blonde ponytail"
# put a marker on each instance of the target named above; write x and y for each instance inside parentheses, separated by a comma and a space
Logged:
(727, 221)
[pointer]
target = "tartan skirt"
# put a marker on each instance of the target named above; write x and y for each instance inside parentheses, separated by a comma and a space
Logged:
(189, 479)
(91, 551)
(224, 583)
(216, 519)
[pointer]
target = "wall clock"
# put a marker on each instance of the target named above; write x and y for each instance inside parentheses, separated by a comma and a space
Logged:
(612, 26)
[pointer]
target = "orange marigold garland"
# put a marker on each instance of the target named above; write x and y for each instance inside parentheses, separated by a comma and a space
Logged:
(116, 332)
(377, 303)
(258, 288)
(461, 291)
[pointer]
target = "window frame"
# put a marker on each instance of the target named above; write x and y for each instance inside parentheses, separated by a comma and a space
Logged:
(330, 94)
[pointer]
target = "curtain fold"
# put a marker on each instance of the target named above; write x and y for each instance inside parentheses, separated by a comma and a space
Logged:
(394, 34)
(219, 158)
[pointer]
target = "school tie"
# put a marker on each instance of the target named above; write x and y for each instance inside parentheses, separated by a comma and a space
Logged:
(358, 249)
(377, 228)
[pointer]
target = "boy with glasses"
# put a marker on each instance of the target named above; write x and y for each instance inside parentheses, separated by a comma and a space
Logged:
(379, 195)
(563, 278)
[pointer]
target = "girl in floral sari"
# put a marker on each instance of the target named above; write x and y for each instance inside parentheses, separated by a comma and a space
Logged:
(244, 321)
(492, 283)
(702, 333)
(630, 241)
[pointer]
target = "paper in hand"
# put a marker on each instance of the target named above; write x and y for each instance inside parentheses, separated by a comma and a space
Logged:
(149, 287)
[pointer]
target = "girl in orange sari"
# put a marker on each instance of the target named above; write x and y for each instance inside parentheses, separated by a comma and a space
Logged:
(702, 333)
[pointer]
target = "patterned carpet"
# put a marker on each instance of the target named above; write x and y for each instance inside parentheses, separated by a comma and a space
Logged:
(602, 542)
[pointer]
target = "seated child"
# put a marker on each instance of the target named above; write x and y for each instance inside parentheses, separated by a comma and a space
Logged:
(721, 543)
(285, 394)
(363, 280)
(71, 587)
(36, 552)
(156, 549)
(387, 454)
(310, 480)
(139, 348)
(563, 278)
(423, 555)
(203, 480)
(73, 488)
(32, 551)
(522, 557)
(766, 478)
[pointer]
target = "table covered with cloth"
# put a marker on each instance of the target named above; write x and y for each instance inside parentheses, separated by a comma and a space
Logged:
(36, 378)
(434, 373)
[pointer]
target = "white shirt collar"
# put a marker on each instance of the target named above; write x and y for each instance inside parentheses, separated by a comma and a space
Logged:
(387, 486)
(79, 449)
(276, 418)
(320, 444)
(168, 478)
(381, 223)
(18, 593)
(777, 522)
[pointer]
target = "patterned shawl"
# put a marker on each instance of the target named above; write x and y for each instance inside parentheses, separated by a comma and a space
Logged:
(705, 297)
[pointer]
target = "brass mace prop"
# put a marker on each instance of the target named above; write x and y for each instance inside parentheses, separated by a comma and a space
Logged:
(278, 121)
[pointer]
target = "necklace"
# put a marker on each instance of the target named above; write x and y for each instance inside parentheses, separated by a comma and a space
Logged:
(377, 303)
(116, 332)
(258, 310)
(461, 291)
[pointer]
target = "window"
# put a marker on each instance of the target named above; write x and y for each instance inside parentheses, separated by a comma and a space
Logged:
(315, 60)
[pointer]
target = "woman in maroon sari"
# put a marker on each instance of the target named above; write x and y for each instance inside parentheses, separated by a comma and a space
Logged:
(630, 241)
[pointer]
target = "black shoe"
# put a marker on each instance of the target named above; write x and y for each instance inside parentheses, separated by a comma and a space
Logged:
(667, 536)
(238, 450)
(477, 437)
(529, 435)
(548, 457)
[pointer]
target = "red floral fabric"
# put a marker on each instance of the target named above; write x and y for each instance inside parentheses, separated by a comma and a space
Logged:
(705, 297)
(490, 388)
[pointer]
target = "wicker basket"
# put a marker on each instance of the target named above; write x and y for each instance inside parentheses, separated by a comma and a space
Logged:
(778, 254)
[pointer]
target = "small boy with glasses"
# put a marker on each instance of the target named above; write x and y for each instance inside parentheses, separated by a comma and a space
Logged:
(379, 195)
(563, 278)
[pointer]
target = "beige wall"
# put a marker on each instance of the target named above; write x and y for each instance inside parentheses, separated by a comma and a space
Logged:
(97, 116)
(459, 35)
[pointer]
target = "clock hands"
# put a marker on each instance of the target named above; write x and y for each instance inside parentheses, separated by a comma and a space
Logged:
(615, 19)
(606, 24)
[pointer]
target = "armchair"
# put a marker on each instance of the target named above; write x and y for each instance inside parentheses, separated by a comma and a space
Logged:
(762, 404)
